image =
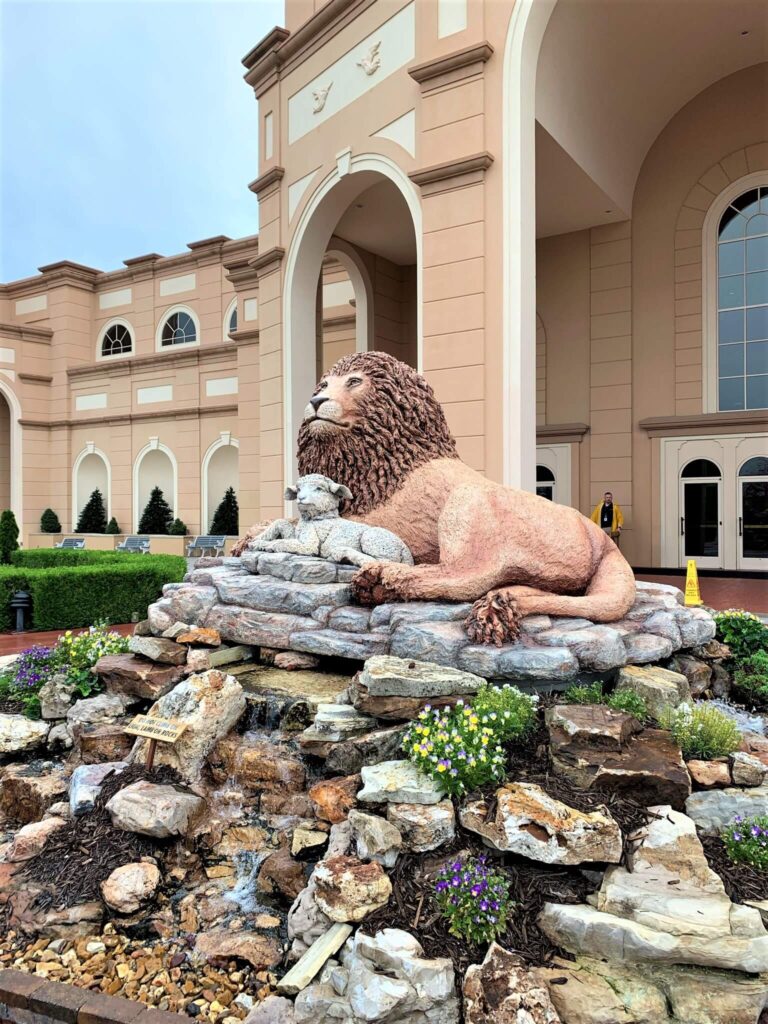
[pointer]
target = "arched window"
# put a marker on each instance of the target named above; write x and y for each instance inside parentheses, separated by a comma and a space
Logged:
(758, 466)
(117, 340)
(232, 325)
(742, 302)
(179, 329)
(701, 468)
(545, 482)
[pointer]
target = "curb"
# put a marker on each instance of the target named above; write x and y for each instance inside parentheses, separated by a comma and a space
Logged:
(30, 999)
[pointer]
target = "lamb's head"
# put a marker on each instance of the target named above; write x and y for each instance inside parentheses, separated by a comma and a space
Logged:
(318, 496)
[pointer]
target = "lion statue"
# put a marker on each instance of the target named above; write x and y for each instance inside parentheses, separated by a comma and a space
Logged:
(374, 425)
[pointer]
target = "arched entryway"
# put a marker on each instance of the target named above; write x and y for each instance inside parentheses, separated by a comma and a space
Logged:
(365, 218)
(155, 466)
(90, 472)
(220, 471)
(10, 452)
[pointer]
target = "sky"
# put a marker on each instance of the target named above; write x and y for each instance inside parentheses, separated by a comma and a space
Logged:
(125, 127)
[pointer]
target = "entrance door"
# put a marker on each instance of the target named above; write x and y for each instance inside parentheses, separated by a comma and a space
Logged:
(753, 514)
(701, 514)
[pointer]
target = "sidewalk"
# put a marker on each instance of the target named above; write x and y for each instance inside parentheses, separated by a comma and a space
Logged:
(12, 643)
(724, 592)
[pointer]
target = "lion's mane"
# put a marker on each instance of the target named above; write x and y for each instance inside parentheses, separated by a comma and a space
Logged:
(403, 428)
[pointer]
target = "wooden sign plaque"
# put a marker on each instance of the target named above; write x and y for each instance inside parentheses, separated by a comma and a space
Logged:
(163, 730)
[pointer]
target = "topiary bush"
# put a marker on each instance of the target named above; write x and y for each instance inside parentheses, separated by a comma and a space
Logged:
(157, 515)
(226, 518)
(93, 518)
(178, 528)
(9, 536)
(113, 526)
(107, 589)
(49, 522)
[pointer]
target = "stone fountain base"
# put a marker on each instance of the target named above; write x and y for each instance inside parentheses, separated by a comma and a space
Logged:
(296, 603)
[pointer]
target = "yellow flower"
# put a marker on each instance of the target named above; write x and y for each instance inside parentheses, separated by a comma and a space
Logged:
(441, 767)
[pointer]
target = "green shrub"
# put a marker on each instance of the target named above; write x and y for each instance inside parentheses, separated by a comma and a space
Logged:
(178, 528)
(508, 711)
(46, 558)
(77, 653)
(702, 731)
(750, 679)
(227, 516)
(9, 536)
(113, 526)
(746, 841)
(49, 522)
(473, 899)
(620, 700)
(71, 595)
(742, 631)
(157, 515)
(584, 693)
(93, 518)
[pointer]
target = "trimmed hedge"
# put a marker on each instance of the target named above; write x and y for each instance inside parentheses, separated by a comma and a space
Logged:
(47, 558)
(67, 596)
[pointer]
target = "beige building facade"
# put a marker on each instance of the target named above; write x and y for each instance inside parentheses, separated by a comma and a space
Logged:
(557, 211)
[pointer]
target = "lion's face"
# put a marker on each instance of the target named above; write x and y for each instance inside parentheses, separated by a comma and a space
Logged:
(338, 403)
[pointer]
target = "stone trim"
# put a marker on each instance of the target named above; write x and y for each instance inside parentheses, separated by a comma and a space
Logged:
(263, 61)
(24, 997)
(704, 423)
(65, 272)
(35, 378)
(561, 432)
(327, 22)
(24, 332)
(268, 262)
(216, 241)
(121, 367)
(240, 273)
(133, 417)
(468, 170)
(453, 67)
(343, 320)
(248, 336)
(271, 177)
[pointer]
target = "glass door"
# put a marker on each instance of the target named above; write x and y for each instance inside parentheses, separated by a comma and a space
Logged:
(753, 514)
(700, 519)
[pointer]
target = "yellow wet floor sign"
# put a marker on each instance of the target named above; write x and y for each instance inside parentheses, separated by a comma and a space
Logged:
(692, 592)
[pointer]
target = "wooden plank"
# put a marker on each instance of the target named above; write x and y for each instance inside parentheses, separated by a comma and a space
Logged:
(306, 968)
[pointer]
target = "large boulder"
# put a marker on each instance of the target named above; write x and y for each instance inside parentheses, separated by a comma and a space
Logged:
(130, 675)
(31, 838)
(502, 990)
(158, 648)
(86, 783)
(398, 782)
(665, 906)
(367, 748)
(257, 765)
(26, 791)
(102, 709)
(153, 810)
(333, 798)
(375, 838)
(423, 827)
(713, 809)
(20, 735)
(592, 724)
(384, 978)
(397, 688)
(334, 723)
(130, 886)
(56, 696)
(529, 822)
(209, 705)
(346, 889)
(261, 951)
(659, 687)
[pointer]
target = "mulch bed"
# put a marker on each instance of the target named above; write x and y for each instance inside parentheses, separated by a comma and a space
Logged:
(8, 706)
(82, 854)
(741, 881)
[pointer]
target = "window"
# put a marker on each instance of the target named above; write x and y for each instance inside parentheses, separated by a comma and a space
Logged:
(758, 466)
(178, 329)
(116, 341)
(545, 482)
(231, 319)
(742, 302)
(701, 467)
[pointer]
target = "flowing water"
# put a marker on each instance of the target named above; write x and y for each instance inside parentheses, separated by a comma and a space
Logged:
(745, 720)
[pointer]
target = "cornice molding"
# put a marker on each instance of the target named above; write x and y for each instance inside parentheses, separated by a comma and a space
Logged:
(268, 262)
(67, 273)
(35, 378)
(263, 61)
(328, 21)
(562, 432)
(24, 332)
(343, 320)
(271, 177)
(247, 336)
(121, 367)
(241, 274)
(464, 60)
(705, 423)
(132, 417)
(468, 170)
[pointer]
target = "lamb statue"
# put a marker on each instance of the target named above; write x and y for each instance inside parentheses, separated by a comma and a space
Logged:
(322, 532)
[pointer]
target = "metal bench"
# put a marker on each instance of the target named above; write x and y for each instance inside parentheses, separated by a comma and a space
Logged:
(135, 543)
(207, 543)
(78, 543)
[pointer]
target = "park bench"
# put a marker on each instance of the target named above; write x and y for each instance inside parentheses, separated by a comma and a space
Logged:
(135, 543)
(207, 543)
(71, 542)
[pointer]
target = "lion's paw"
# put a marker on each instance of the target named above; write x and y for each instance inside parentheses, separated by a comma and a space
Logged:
(370, 587)
(493, 619)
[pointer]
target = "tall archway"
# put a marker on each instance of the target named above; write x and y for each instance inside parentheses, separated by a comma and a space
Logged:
(155, 466)
(5, 453)
(220, 470)
(10, 452)
(91, 471)
(346, 207)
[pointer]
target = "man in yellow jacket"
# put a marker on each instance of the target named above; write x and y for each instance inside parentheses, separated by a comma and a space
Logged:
(608, 516)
